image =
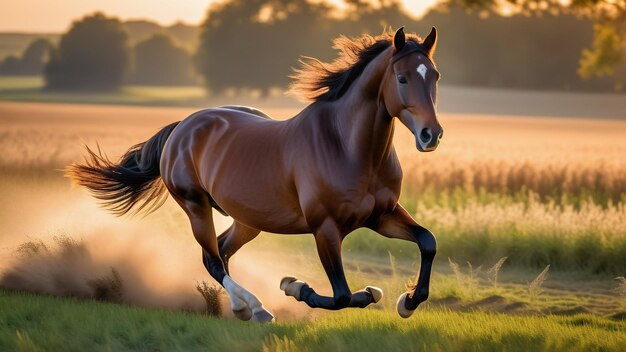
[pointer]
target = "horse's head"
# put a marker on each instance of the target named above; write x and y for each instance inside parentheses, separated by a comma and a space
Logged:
(410, 89)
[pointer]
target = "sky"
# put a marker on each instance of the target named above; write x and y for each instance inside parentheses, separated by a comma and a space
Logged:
(57, 15)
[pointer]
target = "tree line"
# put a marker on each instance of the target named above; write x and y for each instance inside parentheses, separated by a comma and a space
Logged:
(254, 44)
(96, 54)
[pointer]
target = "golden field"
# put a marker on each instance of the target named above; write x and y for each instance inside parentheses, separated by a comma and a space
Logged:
(549, 156)
(493, 178)
(538, 190)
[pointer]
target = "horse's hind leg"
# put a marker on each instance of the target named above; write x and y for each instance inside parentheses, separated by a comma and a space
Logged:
(233, 239)
(244, 304)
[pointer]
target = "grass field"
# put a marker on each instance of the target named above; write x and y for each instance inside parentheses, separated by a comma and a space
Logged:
(49, 324)
(454, 100)
(539, 191)
(31, 89)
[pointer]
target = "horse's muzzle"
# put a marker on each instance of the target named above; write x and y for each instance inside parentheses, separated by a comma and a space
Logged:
(427, 140)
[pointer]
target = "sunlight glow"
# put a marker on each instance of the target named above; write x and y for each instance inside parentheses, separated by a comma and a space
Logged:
(56, 16)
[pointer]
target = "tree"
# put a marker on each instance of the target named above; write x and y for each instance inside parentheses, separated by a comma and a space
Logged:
(10, 65)
(253, 44)
(92, 55)
(605, 53)
(608, 47)
(158, 61)
(31, 62)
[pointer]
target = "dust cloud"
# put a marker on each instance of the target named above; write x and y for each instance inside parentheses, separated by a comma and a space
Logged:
(75, 249)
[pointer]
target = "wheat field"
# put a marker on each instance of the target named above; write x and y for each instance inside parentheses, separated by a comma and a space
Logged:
(552, 157)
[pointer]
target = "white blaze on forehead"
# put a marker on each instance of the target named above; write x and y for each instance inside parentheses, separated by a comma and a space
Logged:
(421, 69)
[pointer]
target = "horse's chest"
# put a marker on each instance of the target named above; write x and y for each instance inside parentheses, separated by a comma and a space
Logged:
(350, 199)
(353, 210)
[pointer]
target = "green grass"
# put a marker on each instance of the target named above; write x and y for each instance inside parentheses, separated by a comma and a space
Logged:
(20, 83)
(37, 323)
(481, 228)
(564, 292)
(583, 237)
(30, 89)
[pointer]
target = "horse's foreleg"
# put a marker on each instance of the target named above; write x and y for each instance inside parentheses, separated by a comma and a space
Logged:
(328, 241)
(399, 224)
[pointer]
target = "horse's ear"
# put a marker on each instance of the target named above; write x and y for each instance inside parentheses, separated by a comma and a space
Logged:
(399, 39)
(431, 41)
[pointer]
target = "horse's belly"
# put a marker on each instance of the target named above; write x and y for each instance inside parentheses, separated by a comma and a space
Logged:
(264, 212)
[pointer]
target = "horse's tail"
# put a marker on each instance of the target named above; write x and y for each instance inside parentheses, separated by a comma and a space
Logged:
(134, 180)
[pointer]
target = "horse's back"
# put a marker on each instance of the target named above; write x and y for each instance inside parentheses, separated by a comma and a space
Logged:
(217, 135)
(246, 109)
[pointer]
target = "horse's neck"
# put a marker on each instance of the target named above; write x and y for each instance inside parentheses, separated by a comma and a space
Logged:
(367, 129)
(363, 119)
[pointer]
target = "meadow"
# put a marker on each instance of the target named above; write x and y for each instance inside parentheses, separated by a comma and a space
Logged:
(507, 196)
(47, 323)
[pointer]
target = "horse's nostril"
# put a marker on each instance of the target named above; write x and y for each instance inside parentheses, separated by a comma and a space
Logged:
(426, 135)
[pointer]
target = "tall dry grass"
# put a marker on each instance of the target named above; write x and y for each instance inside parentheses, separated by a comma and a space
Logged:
(588, 237)
(534, 234)
(563, 160)
(557, 159)
(535, 287)
(564, 182)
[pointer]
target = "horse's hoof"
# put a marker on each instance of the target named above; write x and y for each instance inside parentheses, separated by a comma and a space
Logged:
(291, 286)
(286, 281)
(376, 292)
(405, 313)
(262, 316)
(243, 314)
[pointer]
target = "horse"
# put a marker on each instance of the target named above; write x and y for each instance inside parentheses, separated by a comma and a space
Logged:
(328, 170)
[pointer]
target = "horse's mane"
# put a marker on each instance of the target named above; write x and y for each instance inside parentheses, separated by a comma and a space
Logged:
(323, 81)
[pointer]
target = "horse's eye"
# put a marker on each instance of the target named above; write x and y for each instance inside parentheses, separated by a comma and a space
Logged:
(402, 79)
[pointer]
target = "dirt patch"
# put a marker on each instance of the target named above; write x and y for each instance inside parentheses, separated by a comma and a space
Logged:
(491, 300)
(618, 316)
(516, 307)
(494, 303)
(446, 301)
(570, 311)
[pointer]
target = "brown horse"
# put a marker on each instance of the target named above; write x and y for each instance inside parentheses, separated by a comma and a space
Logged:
(328, 171)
